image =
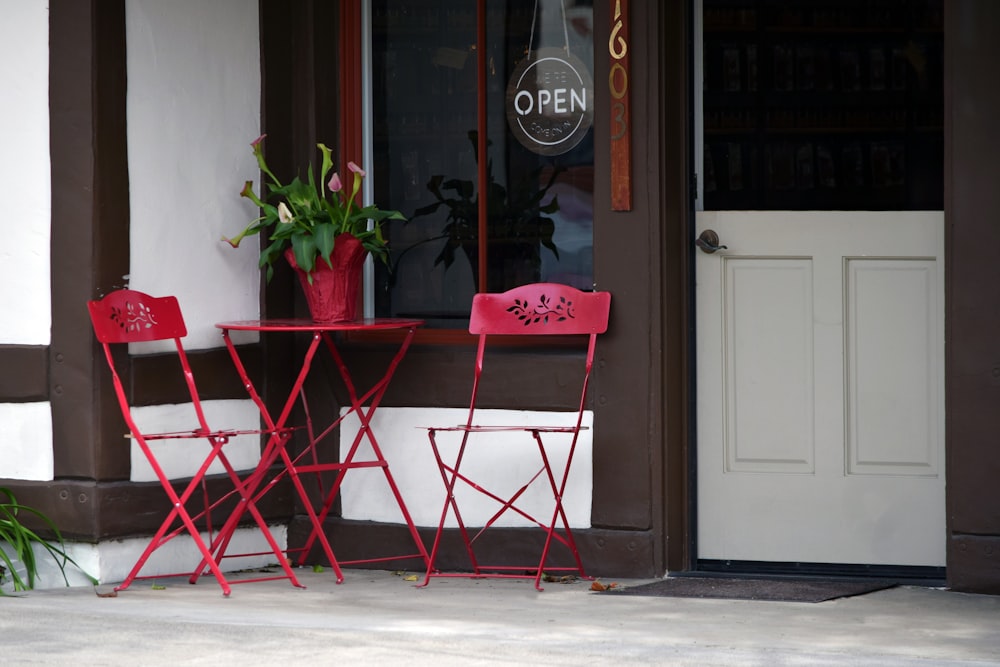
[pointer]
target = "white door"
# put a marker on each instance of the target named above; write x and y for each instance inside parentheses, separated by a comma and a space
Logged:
(821, 388)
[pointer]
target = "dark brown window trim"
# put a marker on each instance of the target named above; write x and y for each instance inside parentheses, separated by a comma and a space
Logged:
(462, 337)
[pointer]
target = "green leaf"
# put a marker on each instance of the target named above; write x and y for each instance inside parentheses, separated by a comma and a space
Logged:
(323, 236)
(304, 247)
(270, 254)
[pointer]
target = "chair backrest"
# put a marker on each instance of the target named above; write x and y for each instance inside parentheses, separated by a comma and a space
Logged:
(129, 316)
(539, 309)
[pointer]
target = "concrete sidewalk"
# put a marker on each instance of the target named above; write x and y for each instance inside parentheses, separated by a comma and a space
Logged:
(377, 617)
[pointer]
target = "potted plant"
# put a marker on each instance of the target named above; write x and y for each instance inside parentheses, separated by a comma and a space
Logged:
(320, 230)
(517, 220)
(18, 557)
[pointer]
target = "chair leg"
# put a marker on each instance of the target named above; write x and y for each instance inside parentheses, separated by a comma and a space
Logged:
(449, 502)
(180, 511)
(451, 475)
(559, 512)
(158, 540)
(444, 514)
(247, 490)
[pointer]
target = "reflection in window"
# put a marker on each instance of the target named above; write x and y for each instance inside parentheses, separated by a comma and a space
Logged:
(424, 90)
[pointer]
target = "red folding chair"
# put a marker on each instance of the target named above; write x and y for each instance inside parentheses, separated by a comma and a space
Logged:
(541, 309)
(128, 316)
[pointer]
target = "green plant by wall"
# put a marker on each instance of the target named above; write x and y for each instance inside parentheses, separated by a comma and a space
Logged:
(18, 563)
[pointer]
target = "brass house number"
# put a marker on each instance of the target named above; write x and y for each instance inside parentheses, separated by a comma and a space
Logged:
(621, 130)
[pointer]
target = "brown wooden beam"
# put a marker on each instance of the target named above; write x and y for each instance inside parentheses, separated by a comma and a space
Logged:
(91, 511)
(90, 242)
(25, 375)
(605, 553)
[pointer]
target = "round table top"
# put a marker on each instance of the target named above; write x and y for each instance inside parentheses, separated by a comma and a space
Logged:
(303, 324)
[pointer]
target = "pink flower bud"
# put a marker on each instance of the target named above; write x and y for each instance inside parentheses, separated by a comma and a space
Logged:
(356, 169)
(335, 185)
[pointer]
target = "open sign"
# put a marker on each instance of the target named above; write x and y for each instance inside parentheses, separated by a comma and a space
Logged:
(550, 100)
(562, 101)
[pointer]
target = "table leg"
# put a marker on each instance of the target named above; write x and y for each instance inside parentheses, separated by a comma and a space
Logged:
(253, 487)
(374, 397)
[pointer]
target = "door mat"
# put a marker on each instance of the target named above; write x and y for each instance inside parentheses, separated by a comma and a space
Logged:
(785, 590)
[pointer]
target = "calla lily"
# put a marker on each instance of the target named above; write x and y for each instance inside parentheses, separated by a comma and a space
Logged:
(258, 151)
(248, 192)
(359, 174)
(335, 185)
(307, 216)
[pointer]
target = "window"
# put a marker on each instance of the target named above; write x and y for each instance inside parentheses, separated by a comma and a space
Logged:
(829, 105)
(427, 113)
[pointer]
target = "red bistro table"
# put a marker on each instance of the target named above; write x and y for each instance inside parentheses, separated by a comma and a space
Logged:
(307, 460)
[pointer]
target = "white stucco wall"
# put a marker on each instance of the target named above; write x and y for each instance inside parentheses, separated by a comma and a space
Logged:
(25, 173)
(111, 561)
(499, 462)
(181, 458)
(193, 108)
(26, 441)
(25, 428)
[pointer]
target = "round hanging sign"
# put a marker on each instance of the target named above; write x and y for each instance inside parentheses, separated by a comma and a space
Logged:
(550, 101)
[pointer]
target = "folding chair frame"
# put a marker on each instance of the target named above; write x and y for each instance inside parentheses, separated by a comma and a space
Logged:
(129, 316)
(538, 309)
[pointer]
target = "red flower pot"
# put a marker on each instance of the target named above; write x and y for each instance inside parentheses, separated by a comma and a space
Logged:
(332, 295)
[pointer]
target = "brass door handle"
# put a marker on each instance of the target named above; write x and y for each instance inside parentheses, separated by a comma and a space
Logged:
(708, 241)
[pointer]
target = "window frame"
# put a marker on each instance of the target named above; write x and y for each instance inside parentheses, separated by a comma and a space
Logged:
(356, 138)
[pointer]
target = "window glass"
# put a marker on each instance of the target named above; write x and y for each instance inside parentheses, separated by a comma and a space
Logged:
(425, 120)
(823, 104)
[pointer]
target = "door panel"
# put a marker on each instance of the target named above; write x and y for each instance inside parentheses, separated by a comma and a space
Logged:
(820, 388)
(891, 375)
(768, 333)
